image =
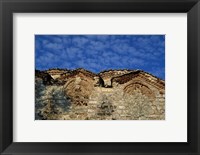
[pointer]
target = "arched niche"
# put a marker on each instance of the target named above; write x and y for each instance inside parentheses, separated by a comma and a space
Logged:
(137, 87)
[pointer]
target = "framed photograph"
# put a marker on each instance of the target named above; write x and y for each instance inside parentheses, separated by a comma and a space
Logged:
(106, 77)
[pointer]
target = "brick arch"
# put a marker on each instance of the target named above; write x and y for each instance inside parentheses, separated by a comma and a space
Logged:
(138, 87)
(79, 92)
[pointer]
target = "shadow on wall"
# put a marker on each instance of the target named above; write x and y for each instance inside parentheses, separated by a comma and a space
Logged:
(50, 101)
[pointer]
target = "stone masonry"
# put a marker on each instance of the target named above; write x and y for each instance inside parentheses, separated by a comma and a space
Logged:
(110, 95)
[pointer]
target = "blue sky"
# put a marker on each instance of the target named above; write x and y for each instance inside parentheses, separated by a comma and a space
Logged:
(101, 52)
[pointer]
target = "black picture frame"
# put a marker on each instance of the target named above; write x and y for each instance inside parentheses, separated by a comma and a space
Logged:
(8, 7)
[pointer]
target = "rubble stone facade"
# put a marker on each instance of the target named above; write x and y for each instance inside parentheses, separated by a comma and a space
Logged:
(109, 95)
